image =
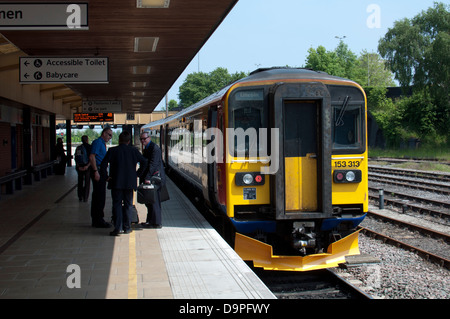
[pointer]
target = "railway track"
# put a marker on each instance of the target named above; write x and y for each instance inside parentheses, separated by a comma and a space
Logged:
(430, 196)
(319, 284)
(437, 176)
(428, 243)
(411, 183)
(410, 202)
(411, 190)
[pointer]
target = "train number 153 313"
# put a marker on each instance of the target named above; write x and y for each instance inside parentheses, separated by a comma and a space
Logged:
(347, 163)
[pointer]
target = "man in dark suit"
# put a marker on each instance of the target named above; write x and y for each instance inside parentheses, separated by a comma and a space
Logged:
(122, 180)
(155, 167)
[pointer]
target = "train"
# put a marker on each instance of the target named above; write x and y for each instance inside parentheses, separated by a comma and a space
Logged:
(280, 157)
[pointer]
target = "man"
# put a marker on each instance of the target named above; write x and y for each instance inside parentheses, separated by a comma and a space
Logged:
(98, 152)
(122, 180)
(155, 167)
(83, 168)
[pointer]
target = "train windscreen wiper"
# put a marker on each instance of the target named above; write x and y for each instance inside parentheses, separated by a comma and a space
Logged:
(339, 120)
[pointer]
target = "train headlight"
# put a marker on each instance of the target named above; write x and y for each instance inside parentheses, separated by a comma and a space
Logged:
(247, 179)
(350, 176)
(347, 176)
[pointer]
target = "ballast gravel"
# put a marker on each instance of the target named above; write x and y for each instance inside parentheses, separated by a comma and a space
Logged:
(400, 274)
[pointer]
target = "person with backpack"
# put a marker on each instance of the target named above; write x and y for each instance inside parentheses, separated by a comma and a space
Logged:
(83, 168)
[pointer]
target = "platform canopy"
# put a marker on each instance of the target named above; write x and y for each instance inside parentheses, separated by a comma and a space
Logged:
(148, 44)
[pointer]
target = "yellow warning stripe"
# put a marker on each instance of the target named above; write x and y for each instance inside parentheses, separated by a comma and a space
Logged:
(132, 276)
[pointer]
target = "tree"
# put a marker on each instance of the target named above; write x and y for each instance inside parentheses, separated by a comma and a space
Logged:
(368, 69)
(173, 105)
(372, 72)
(416, 51)
(340, 62)
(200, 85)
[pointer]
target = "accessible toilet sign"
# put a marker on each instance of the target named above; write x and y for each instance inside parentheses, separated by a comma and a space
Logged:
(43, 16)
(73, 70)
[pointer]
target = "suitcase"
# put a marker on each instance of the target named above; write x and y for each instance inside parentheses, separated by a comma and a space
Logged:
(134, 215)
(147, 193)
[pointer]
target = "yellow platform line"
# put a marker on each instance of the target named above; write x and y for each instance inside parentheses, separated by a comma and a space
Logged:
(132, 276)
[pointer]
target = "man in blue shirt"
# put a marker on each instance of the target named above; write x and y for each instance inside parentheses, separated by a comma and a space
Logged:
(98, 152)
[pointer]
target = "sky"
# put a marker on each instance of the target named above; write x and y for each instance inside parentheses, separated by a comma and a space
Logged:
(266, 33)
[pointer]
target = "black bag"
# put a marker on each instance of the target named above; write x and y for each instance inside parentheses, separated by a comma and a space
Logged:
(147, 193)
(164, 194)
(134, 215)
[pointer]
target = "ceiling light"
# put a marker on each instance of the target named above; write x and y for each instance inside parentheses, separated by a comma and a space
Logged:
(140, 84)
(152, 3)
(138, 93)
(145, 44)
(141, 69)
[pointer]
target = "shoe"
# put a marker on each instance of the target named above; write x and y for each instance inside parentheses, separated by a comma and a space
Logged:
(153, 226)
(114, 233)
(127, 231)
(146, 225)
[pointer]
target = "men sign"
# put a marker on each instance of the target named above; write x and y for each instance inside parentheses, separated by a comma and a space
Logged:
(43, 16)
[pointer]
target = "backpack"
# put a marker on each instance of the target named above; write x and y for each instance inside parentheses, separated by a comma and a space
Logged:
(81, 156)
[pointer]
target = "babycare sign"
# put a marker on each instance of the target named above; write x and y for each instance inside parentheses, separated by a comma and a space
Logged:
(73, 70)
(43, 16)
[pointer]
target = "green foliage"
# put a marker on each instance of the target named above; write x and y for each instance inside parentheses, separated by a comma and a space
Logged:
(417, 52)
(200, 85)
(173, 105)
(368, 69)
(340, 62)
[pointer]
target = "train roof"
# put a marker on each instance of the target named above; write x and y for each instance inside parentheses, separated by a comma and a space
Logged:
(261, 74)
(279, 73)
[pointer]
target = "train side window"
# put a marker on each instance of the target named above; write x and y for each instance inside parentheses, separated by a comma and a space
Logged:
(347, 127)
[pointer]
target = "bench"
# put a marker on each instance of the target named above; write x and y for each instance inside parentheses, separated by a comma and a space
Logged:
(13, 178)
(42, 170)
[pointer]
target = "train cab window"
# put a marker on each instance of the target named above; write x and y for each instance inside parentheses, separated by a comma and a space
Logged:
(347, 128)
(247, 111)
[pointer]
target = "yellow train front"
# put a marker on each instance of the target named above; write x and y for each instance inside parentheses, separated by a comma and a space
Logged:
(292, 173)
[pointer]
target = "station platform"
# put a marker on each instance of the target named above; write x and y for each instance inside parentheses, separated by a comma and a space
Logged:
(47, 245)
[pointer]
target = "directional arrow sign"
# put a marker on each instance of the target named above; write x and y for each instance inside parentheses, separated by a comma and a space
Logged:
(43, 16)
(76, 70)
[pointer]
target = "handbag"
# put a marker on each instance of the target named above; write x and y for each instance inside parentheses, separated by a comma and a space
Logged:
(147, 193)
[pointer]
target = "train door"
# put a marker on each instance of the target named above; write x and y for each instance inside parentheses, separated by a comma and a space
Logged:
(211, 169)
(302, 184)
(300, 155)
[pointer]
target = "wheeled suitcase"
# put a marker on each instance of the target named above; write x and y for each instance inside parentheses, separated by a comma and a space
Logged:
(134, 215)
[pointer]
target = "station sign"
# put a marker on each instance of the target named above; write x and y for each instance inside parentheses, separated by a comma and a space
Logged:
(93, 117)
(43, 16)
(102, 106)
(70, 70)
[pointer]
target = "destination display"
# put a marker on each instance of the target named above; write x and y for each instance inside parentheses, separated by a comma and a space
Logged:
(93, 117)
(43, 16)
(70, 70)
